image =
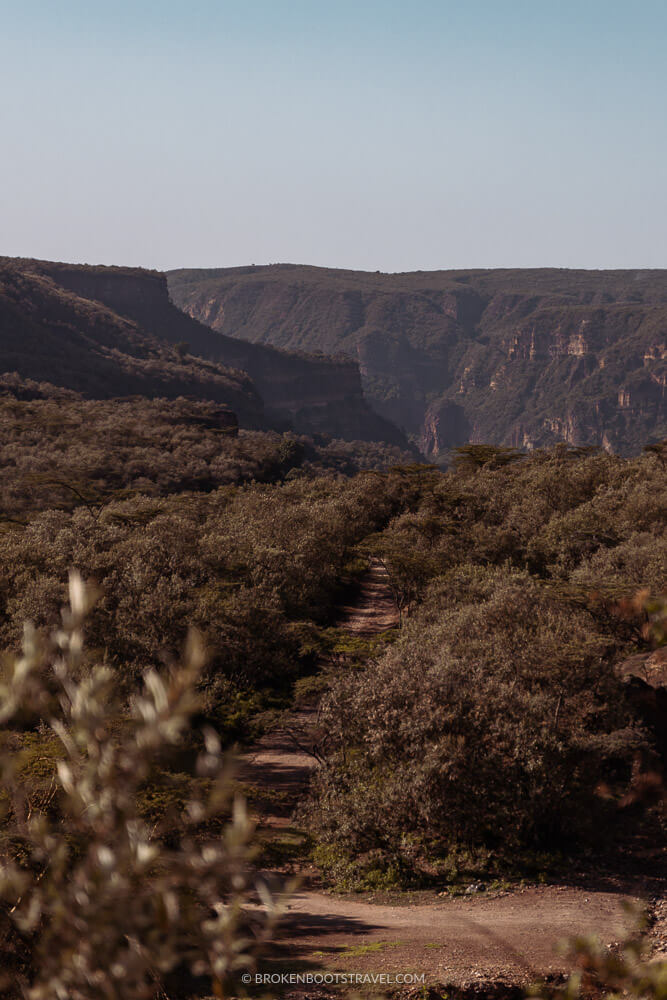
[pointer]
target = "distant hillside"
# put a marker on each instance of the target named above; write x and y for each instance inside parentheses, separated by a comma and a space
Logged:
(112, 331)
(515, 357)
(52, 333)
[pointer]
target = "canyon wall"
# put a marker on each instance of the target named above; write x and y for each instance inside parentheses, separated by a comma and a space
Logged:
(514, 357)
(114, 313)
(311, 394)
(51, 333)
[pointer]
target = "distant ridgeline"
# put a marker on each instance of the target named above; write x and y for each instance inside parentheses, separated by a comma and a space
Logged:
(522, 358)
(110, 331)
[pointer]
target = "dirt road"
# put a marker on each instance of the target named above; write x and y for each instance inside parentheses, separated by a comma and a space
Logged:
(280, 763)
(511, 937)
(373, 609)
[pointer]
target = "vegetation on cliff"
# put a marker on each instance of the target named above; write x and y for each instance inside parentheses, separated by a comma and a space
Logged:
(496, 728)
(497, 716)
(60, 451)
(510, 357)
(51, 334)
(110, 331)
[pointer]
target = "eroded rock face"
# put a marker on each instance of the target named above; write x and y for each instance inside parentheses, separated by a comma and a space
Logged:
(526, 358)
(445, 426)
(651, 667)
(310, 393)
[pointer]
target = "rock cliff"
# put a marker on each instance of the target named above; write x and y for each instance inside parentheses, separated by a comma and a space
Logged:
(51, 332)
(514, 357)
(112, 311)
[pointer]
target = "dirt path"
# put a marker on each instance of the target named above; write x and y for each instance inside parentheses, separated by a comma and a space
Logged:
(510, 936)
(278, 767)
(374, 609)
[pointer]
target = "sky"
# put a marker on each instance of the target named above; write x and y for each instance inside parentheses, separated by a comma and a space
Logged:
(376, 134)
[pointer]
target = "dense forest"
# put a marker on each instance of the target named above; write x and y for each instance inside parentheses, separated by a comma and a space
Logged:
(490, 726)
(333, 599)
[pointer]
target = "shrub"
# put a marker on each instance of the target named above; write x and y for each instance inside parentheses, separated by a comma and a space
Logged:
(625, 970)
(489, 724)
(106, 906)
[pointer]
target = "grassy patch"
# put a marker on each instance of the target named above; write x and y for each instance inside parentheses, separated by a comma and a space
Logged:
(355, 951)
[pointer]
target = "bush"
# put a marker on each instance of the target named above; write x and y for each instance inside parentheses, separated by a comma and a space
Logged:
(104, 904)
(623, 971)
(242, 565)
(489, 724)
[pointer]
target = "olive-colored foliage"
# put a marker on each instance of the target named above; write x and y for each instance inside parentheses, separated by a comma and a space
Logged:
(554, 513)
(498, 716)
(490, 722)
(107, 901)
(638, 561)
(59, 451)
(551, 511)
(470, 457)
(242, 565)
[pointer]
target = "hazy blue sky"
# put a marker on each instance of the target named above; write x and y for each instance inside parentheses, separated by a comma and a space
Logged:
(387, 135)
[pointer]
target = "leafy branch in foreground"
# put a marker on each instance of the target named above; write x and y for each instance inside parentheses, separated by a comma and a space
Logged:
(623, 971)
(103, 906)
